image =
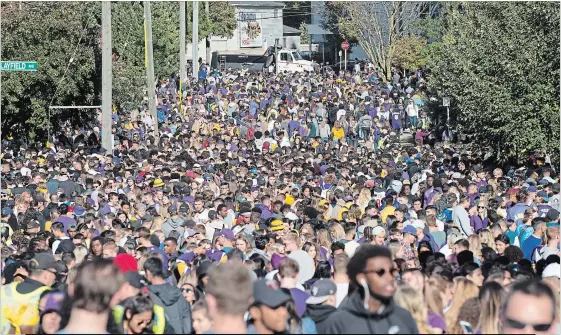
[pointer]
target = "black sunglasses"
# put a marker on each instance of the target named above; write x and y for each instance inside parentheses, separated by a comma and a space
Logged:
(540, 327)
(188, 290)
(381, 272)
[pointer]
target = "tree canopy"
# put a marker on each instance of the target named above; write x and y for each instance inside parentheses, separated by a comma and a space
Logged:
(499, 64)
(54, 33)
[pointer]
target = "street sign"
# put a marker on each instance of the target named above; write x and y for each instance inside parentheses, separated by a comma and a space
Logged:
(446, 102)
(18, 66)
(345, 45)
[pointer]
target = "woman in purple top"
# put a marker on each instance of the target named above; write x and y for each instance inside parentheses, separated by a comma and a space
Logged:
(478, 219)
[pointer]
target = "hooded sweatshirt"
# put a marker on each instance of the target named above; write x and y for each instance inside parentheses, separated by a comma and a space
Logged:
(319, 314)
(352, 318)
(173, 224)
(176, 308)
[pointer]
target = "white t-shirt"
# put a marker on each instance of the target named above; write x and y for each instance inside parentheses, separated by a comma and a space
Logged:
(342, 291)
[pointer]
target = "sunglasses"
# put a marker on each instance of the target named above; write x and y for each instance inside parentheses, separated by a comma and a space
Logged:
(481, 207)
(540, 327)
(187, 290)
(381, 272)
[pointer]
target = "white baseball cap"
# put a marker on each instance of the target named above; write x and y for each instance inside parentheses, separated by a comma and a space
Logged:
(418, 224)
(552, 270)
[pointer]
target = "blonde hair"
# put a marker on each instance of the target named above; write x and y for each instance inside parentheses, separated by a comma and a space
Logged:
(550, 234)
(337, 231)
(189, 277)
(434, 287)
(475, 246)
(324, 240)
(364, 198)
(491, 296)
(408, 298)
(486, 237)
(463, 290)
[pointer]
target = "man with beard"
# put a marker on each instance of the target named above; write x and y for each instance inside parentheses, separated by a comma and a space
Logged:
(371, 309)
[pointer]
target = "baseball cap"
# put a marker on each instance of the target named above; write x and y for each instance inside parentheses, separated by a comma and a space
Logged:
(46, 261)
(227, 234)
(532, 189)
(418, 224)
(277, 225)
(378, 230)
(33, 224)
(320, 291)
(183, 208)
(269, 293)
(53, 303)
(6, 211)
(409, 230)
(552, 270)
(190, 233)
(552, 215)
(188, 223)
(135, 279)
(291, 216)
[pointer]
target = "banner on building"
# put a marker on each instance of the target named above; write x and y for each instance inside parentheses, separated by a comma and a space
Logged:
(250, 30)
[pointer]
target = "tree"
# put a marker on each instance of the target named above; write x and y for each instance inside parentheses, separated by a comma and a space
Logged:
(296, 12)
(408, 53)
(63, 38)
(304, 36)
(377, 26)
(499, 63)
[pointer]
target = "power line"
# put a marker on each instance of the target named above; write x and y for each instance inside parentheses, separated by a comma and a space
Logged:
(70, 61)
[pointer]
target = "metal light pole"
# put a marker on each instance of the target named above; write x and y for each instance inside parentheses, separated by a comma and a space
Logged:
(150, 66)
(182, 60)
(195, 37)
(106, 78)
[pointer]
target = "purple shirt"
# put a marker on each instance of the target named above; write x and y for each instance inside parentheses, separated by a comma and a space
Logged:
(436, 321)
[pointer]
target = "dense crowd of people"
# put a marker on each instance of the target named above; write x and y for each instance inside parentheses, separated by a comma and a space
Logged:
(284, 203)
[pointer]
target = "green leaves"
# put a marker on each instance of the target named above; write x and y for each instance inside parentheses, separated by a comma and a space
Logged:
(52, 33)
(499, 62)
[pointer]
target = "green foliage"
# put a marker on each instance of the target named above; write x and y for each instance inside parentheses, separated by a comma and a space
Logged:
(408, 53)
(304, 36)
(50, 32)
(499, 63)
(296, 12)
(375, 25)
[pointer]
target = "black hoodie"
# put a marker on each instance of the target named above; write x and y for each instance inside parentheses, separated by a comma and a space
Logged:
(176, 308)
(319, 314)
(352, 318)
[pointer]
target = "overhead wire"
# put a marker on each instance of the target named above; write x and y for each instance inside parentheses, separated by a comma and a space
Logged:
(70, 61)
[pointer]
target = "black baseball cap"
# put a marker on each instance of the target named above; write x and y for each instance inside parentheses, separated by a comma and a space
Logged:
(269, 293)
(46, 261)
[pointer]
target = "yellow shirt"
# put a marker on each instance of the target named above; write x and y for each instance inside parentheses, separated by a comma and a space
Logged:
(337, 133)
(388, 210)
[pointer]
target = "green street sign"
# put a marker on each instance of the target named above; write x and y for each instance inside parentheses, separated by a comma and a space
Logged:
(18, 66)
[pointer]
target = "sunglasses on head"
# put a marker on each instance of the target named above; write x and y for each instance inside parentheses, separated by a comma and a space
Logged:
(540, 327)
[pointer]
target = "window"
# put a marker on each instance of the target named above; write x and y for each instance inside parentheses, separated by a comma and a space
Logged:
(276, 13)
(284, 57)
(284, 42)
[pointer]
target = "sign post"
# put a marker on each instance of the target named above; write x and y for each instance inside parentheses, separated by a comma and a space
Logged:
(446, 103)
(340, 63)
(18, 66)
(345, 46)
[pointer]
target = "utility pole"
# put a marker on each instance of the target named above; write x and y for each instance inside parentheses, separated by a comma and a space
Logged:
(207, 39)
(106, 78)
(276, 56)
(150, 66)
(195, 38)
(182, 60)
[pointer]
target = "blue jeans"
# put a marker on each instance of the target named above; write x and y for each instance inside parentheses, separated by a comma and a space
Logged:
(413, 121)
